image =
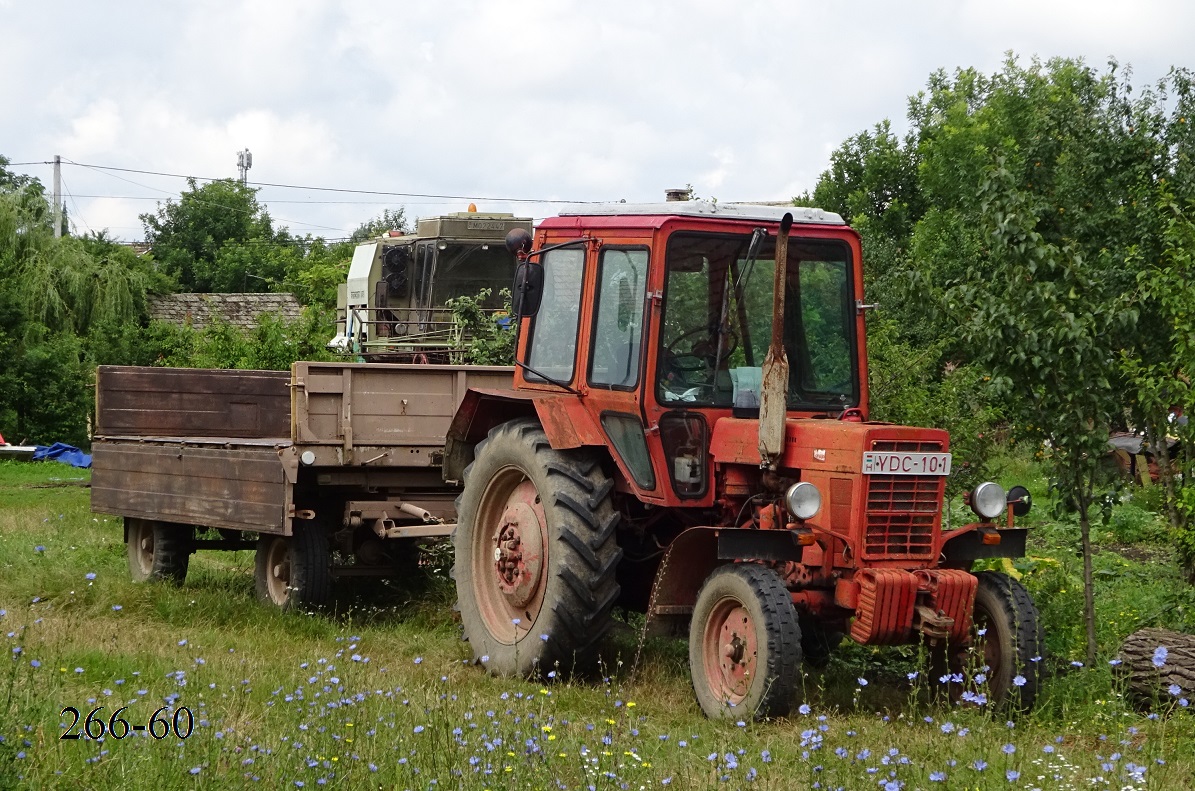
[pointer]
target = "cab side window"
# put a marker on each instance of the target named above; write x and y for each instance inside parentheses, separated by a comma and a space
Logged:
(554, 333)
(618, 320)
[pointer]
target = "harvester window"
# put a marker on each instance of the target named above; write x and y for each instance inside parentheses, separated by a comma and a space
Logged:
(618, 325)
(554, 330)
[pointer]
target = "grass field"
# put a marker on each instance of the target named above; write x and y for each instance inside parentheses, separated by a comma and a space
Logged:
(377, 691)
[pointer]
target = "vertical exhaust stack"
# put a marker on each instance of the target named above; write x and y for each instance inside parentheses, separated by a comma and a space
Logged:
(675, 194)
(773, 402)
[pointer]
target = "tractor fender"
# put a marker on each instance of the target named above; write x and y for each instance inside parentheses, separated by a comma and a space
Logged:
(692, 557)
(965, 544)
(565, 420)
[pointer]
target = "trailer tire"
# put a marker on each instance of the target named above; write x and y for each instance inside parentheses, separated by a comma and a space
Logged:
(1010, 647)
(294, 572)
(535, 553)
(744, 644)
(158, 550)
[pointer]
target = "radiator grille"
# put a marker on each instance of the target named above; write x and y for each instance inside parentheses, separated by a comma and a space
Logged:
(907, 446)
(903, 510)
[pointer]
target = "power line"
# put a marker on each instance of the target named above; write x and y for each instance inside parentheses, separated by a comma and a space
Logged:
(303, 202)
(198, 200)
(328, 189)
(78, 211)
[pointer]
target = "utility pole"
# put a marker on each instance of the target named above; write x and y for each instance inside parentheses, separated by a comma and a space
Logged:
(57, 196)
(244, 162)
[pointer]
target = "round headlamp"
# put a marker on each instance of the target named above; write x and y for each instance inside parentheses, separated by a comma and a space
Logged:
(804, 500)
(988, 500)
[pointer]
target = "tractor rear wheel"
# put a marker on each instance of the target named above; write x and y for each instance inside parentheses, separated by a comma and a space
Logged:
(158, 550)
(1003, 661)
(744, 643)
(535, 552)
(294, 571)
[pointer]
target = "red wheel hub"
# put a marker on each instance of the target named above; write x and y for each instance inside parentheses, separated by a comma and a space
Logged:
(509, 556)
(518, 551)
(730, 649)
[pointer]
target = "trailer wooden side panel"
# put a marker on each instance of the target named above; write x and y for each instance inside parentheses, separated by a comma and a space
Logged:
(382, 406)
(239, 487)
(183, 402)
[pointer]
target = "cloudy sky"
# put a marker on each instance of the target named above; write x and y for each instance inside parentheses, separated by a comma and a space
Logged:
(537, 100)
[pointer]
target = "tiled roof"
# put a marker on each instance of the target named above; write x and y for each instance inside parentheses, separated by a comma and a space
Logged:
(241, 310)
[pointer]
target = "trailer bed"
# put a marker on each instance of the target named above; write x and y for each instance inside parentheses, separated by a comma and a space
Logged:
(236, 449)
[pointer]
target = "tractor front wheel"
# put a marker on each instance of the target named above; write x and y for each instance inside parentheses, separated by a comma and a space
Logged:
(744, 643)
(1003, 661)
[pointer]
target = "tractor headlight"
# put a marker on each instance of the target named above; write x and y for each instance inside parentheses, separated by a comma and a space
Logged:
(804, 500)
(988, 500)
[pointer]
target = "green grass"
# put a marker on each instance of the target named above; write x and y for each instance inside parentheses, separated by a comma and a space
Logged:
(378, 691)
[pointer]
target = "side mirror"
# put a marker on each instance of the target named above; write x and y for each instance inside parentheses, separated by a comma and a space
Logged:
(518, 242)
(528, 288)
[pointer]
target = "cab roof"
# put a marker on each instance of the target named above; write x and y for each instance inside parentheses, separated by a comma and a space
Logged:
(702, 208)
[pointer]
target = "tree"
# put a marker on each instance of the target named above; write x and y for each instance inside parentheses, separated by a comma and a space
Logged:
(218, 237)
(1041, 319)
(388, 220)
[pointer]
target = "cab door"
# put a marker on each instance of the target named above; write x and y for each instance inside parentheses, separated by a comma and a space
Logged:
(615, 360)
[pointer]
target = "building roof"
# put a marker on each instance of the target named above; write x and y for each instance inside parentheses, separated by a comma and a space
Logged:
(243, 311)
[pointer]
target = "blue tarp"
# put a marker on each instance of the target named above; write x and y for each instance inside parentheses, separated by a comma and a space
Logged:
(60, 451)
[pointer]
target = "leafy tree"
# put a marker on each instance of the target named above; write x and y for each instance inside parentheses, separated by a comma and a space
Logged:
(316, 276)
(46, 292)
(1042, 320)
(873, 181)
(388, 220)
(489, 336)
(218, 237)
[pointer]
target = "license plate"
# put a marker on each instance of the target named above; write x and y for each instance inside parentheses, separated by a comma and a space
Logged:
(891, 463)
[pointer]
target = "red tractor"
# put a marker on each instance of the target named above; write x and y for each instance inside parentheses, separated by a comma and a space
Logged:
(688, 436)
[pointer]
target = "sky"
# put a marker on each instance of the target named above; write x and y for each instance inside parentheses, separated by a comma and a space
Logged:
(511, 104)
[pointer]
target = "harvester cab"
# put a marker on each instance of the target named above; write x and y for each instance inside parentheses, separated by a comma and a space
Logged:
(689, 436)
(393, 306)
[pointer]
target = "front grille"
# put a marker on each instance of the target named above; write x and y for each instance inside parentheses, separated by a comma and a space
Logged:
(902, 512)
(907, 446)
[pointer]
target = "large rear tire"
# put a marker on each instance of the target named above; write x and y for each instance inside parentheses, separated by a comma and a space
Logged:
(158, 550)
(744, 644)
(535, 553)
(1005, 647)
(294, 572)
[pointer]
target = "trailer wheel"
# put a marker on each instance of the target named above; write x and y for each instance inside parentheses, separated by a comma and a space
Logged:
(744, 643)
(1006, 648)
(535, 552)
(158, 550)
(294, 572)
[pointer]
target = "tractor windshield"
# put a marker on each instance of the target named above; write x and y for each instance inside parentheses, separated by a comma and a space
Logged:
(718, 322)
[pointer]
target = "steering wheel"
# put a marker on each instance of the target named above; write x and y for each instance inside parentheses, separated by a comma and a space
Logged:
(700, 355)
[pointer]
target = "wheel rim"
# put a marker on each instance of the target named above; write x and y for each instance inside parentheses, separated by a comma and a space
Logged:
(730, 651)
(509, 559)
(278, 571)
(144, 539)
